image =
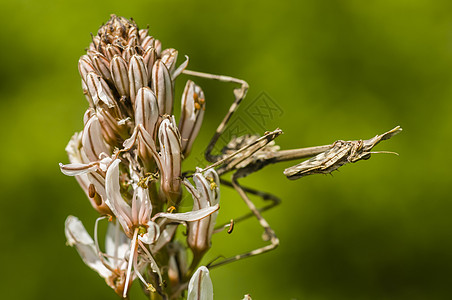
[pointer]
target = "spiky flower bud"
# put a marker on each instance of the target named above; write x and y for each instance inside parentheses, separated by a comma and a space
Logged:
(129, 151)
(120, 61)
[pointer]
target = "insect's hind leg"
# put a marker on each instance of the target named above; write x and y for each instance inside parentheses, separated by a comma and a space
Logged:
(274, 201)
(269, 233)
(239, 95)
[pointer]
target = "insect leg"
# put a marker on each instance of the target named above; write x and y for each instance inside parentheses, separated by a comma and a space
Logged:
(269, 233)
(239, 95)
(264, 195)
(245, 152)
(292, 154)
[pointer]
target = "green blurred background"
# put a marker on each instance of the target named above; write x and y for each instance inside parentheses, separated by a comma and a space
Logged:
(379, 229)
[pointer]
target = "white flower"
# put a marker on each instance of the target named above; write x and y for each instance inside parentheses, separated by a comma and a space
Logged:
(206, 194)
(111, 265)
(136, 220)
(200, 285)
(92, 183)
(171, 158)
(192, 114)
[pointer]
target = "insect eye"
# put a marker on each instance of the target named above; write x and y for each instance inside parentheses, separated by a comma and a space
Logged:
(360, 145)
(366, 156)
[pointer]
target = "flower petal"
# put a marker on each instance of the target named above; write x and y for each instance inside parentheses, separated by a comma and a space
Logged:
(118, 68)
(190, 216)
(77, 236)
(128, 52)
(78, 168)
(200, 285)
(92, 139)
(73, 148)
(192, 114)
(158, 47)
(181, 68)
(111, 51)
(170, 154)
(138, 76)
(162, 87)
(151, 236)
(111, 130)
(165, 237)
(102, 64)
(169, 58)
(146, 110)
(114, 199)
(85, 66)
(147, 42)
(99, 90)
(116, 245)
(209, 191)
(149, 60)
